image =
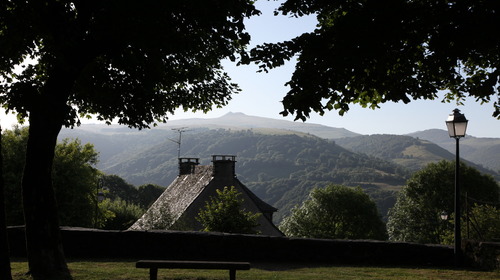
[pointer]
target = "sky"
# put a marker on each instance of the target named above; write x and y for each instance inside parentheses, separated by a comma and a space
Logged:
(262, 92)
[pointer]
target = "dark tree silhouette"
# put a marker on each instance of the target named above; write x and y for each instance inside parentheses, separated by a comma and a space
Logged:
(368, 52)
(119, 59)
(5, 269)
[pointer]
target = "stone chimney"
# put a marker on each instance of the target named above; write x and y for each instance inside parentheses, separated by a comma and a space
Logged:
(224, 166)
(187, 165)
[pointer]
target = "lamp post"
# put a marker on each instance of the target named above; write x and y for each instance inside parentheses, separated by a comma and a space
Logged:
(99, 198)
(457, 125)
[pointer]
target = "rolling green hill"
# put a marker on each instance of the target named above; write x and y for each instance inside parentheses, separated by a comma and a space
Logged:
(240, 121)
(412, 153)
(482, 151)
(407, 151)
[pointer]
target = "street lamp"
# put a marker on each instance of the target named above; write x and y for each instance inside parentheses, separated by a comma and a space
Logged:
(443, 216)
(457, 125)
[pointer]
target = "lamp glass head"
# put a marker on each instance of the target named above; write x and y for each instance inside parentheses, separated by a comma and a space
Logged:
(456, 124)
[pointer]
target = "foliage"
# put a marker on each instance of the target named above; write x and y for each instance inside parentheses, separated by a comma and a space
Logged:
(118, 214)
(104, 215)
(369, 52)
(126, 61)
(429, 192)
(118, 60)
(485, 220)
(147, 194)
(5, 268)
(482, 223)
(124, 204)
(74, 175)
(158, 217)
(335, 212)
(75, 179)
(117, 188)
(13, 151)
(223, 213)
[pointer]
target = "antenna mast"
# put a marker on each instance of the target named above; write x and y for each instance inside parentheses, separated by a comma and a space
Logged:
(178, 142)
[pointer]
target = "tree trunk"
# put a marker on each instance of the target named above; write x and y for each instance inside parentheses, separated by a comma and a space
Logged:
(5, 270)
(43, 240)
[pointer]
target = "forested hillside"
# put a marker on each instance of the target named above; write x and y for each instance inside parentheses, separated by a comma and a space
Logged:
(407, 151)
(280, 167)
(482, 151)
(410, 152)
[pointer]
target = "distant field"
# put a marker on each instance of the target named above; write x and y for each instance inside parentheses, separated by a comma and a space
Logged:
(125, 270)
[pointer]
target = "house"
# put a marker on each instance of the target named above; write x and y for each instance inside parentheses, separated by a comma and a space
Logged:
(180, 203)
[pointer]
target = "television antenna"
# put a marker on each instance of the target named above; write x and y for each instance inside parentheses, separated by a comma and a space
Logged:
(180, 130)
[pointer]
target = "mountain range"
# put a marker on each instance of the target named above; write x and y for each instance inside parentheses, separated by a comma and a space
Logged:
(115, 139)
(482, 151)
(281, 161)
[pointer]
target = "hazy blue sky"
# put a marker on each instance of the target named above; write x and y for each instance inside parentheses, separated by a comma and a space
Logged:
(262, 92)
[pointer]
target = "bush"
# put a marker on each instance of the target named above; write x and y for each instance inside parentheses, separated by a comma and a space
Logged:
(336, 212)
(118, 214)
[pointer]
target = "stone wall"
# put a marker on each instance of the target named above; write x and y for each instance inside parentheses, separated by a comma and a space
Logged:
(89, 243)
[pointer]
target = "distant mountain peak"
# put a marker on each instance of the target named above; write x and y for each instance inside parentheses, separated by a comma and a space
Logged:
(232, 114)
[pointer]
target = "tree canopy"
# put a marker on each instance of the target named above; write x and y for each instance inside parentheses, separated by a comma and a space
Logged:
(75, 178)
(336, 212)
(138, 62)
(118, 59)
(368, 52)
(224, 213)
(416, 215)
(118, 214)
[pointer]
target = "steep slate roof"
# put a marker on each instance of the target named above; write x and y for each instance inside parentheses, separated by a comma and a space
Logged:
(188, 193)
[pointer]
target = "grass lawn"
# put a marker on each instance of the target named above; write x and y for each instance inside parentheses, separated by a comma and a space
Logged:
(125, 270)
